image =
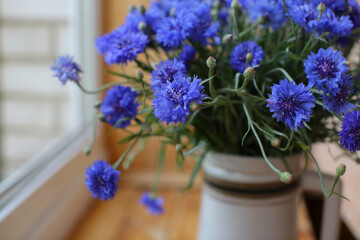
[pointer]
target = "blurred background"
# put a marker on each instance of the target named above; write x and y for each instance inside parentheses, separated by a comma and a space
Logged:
(37, 115)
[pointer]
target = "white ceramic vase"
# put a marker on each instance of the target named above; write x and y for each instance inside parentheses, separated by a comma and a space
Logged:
(243, 198)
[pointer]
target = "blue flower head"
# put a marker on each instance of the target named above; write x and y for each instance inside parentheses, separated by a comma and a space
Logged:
(338, 103)
(350, 131)
(172, 102)
(337, 26)
(101, 180)
(304, 15)
(133, 19)
(121, 45)
(119, 104)
(173, 31)
(65, 69)
(165, 72)
(273, 10)
(187, 54)
(238, 55)
(202, 28)
(154, 205)
(324, 69)
(291, 103)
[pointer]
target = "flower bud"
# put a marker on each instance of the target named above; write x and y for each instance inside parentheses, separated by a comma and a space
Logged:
(340, 170)
(131, 8)
(97, 104)
(178, 147)
(139, 75)
(101, 118)
(241, 93)
(184, 140)
(275, 142)
(264, 19)
(211, 62)
(286, 177)
(194, 106)
(249, 57)
(227, 38)
(148, 129)
(142, 26)
(214, 13)
(235, 5)
(217, 4)
(87, 150)
(321, 8)
(142, 9)
(249, 73)
(172, 12)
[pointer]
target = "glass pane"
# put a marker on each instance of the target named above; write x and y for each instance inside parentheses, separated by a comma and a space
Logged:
(34, 105)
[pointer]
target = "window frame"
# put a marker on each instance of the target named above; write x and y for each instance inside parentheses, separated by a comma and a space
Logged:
(49, 191)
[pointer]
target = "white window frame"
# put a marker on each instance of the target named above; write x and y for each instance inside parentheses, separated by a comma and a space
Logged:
(46, 196)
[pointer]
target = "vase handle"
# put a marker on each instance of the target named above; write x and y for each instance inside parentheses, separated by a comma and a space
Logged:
(330, 219)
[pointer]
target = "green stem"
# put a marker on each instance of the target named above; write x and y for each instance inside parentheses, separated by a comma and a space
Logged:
(288, 143)
(292, 24)
(308, 44)
(236, 25)
(116, 165)
(159, 169)
(88, 148)
(211, 84)
(102, 88)
(277, 171)
(325, 190)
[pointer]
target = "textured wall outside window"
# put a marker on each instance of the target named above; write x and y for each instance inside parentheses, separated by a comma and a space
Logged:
(33, 104)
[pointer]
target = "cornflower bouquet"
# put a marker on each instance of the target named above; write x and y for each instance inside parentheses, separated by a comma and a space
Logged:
(229, 76)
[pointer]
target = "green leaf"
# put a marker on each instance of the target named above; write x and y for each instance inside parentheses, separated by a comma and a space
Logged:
(117, 123)
(122, 75)
(303, 146)
(208, 79)
(275, 131)
(281, 70)
(179, 159)
(247, 132)
(195, 171)
(237, 79)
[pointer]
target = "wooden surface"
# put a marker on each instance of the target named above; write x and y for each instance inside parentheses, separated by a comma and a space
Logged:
(123, 218)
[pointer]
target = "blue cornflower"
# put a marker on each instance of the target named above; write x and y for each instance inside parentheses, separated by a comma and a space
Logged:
(272, 10)
(154, 205)
(133, 19)
(304, 15)
(350, 131)
(101, 180)
(291, 103)
(173, 31)
(121, 45)
(337, 26)
(65, 68)
(355, 13)
(187, 54)
(238, 55)
(202, 28)
(338, 103)
(324, 69)
(172, 102)
(165, 72)
(119, 104)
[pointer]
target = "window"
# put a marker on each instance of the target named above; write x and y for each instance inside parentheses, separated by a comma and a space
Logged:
(43, 123)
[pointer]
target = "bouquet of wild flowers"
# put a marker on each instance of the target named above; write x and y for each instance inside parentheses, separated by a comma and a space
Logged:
(229, 76)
